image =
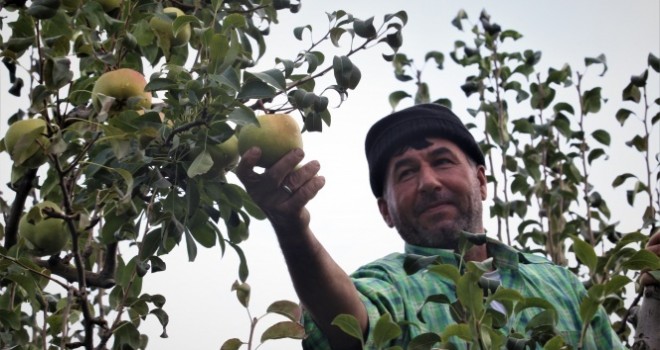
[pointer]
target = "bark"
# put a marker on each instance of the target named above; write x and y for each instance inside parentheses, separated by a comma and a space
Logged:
(647, 332)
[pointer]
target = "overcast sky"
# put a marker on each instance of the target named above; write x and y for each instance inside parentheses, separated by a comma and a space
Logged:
(203, 312)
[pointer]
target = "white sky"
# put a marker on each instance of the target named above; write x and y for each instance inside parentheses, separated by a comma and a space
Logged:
(204, 313)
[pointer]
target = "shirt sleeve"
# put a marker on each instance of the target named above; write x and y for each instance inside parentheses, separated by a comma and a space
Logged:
(379, 296)
(601, 334)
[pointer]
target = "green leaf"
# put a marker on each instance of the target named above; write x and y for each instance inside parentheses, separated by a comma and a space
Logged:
(284, 329)
(163, 318)
(346, 74)
(204, 234)
(545, 318)
(424, 341)
(349, 325)
(623, 114)
(286, 308)
(597, 60)
(243, 292)
(231, 344)
(159, 84)
(255, 89)
(57, 73)
(396, 96)
(191, 247)
(595, 154)
(274, 77)
(590, 304)
(456, 22)
(654, 62)
(180, 22)
(585, 253)
(592, 100)
(150, 243)
(620, 179)
(470, 294)
(364, 29)
(602, 136)
(157, 264)
(615, 284)
(401, 15)
(243, 270)
(126, 335)
(555, 343)
(10, 319)
(298, 31)
(335, 35)
(243, 115)
(642, 259)
(631, 93)
(437, 56)
(534, 302)
(385, 331)
(43, 9)
(460, 330)
(446, 270)
(506, 294)
(640, 143)
(201, 165)
(235, 20)
(640, 80)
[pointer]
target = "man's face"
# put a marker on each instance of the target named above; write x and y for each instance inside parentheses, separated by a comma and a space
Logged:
(433, 193)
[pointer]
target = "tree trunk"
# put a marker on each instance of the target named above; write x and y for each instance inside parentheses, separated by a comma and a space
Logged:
(647, 332)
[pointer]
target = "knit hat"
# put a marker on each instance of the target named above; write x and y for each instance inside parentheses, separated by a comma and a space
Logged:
(394, 131)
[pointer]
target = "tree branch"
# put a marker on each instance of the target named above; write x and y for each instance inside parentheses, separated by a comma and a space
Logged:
(22, 189)
(70, 273)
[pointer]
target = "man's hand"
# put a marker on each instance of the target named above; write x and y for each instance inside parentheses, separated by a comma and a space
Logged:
(282, 191)
(653, 246)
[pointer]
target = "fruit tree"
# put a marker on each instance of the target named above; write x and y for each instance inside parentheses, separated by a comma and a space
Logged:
(119, 153)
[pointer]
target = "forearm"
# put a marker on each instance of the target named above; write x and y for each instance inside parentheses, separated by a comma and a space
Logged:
(323, 287)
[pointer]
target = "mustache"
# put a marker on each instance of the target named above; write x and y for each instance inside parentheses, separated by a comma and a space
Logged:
(429, 200)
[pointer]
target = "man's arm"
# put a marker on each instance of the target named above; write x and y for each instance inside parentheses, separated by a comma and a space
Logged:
(324, 289)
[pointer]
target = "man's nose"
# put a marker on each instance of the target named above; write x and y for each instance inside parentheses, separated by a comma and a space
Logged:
(428, 179)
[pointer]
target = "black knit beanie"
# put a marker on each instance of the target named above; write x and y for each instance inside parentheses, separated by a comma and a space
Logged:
(394, 131)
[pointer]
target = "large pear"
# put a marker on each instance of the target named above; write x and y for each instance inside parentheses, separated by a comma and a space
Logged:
(44, 235)
(126, 86)
(276, 135)
(26, 142)
(164, 27)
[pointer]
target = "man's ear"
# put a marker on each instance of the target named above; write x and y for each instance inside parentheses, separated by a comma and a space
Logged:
(483, 182)
(385, 212)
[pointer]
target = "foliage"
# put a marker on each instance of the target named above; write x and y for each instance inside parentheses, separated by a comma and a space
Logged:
(542, 146)
(134, 183)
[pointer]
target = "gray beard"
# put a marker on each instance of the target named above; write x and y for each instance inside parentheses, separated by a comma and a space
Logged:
(445, 237)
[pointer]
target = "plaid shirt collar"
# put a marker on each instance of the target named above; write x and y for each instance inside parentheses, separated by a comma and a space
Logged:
(504, 257)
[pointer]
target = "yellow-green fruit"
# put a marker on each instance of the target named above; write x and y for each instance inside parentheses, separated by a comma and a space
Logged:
(225, 156)
(26, 141)
(164, 27)
(44, 235)
(109, 5)
(276, 135)
(126, 86)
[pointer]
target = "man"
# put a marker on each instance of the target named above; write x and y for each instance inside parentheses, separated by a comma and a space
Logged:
(428, 175)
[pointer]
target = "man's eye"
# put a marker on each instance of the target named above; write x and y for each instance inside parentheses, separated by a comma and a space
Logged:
(442, 162)
(405, 173)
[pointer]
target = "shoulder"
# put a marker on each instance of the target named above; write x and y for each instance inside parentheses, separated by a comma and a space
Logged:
(391, 263)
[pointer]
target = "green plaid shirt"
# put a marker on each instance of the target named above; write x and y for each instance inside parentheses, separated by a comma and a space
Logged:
(384, 287)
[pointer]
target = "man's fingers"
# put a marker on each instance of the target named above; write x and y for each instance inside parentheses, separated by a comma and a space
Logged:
(298, 177)
(285, 165)
(247, 163)
(308, 190)
(654, 240)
